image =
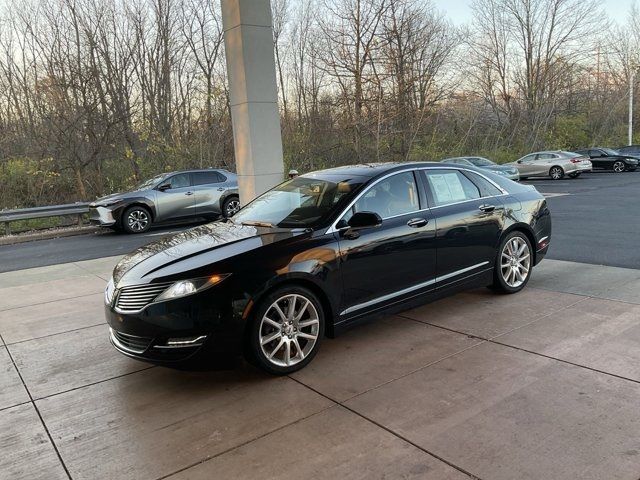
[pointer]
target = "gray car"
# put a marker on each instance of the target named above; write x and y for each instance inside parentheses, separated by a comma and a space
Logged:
(554, 164)
(169, 197)
(505, 171)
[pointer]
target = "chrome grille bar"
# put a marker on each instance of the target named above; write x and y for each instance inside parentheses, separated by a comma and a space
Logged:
(134, 298)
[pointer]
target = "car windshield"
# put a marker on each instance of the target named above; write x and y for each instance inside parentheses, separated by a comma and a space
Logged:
(299, 202)
(481, 162)
(151, 182)
(609, 151)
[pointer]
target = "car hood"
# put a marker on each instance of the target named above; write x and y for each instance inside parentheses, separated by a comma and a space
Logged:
(115, 197)
(193, 249)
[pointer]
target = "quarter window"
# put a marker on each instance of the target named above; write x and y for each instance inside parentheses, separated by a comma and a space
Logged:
(449, 187)
(395, 195)
(204, 178)
(487, 189)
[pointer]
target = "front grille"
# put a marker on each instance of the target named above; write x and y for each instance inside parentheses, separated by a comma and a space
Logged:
(130, 343)
(135, 298)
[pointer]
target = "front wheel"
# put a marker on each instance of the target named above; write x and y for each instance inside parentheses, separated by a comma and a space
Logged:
(619, 167)
(230, 206)
(136, 219)
(286, 330)
(556, 173)
(513, 264)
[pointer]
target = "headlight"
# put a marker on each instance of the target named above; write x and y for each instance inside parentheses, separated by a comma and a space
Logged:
(189, 287)
(109, 291)
(110, 203)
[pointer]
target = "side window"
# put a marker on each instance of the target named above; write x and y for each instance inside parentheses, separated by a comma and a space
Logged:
(487, 189)
(528, 158)
(204, 178)
(180, 181)
(544, 156)
(392, 196)
(451, 187)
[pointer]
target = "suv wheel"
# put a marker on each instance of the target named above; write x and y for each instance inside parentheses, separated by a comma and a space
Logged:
(230, 206)
(136, 219)
(286, 331)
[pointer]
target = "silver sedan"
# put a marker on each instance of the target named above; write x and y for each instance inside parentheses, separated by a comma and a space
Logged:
(553, 164)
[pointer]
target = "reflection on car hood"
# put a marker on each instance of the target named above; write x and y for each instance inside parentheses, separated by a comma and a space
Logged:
(218, 240)
(114, 197)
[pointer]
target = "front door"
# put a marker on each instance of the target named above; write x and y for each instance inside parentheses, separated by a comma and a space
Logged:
(395, 261)
(527, 166)
(468, 219)
(177, 201)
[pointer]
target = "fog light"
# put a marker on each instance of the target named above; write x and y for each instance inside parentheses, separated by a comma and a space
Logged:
(184, 342)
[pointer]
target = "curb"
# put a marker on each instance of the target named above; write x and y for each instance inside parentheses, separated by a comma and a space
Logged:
(48, 234)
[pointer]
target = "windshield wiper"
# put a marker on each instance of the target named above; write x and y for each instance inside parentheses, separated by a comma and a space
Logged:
(258, 224)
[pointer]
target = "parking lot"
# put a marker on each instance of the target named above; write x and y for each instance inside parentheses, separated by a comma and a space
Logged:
(543, 384)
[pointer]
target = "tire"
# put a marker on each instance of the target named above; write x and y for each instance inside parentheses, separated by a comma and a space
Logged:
(505, 278)
(556, 173)
(619, 166)
(271, 334)
(230, 206)
(574, 175)
(136, 219)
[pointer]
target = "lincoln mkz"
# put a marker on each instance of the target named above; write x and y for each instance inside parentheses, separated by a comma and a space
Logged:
(320, 253)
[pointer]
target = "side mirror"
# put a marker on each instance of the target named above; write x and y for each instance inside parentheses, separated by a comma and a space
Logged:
(519, 161)
(361, 220)
(164, 186)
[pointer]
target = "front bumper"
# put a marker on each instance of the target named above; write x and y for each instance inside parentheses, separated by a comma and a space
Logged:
(204, 324)
(102, 216)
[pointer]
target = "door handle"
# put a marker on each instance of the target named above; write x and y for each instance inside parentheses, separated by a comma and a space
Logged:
(188, 194)
(487, 208)
(417, 222)
(220, 189)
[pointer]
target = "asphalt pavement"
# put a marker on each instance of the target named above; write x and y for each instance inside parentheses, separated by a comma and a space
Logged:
(595, 221)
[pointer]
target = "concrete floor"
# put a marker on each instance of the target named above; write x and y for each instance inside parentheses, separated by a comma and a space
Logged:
(544, 384)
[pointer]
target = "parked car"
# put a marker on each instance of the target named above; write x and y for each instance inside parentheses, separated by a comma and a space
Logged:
(506, 171)
(610, 159)
(169, 197)
(630, 150)
(554, 164)
(320, 253)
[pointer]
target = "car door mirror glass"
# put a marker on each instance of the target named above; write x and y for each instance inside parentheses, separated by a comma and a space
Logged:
(361, 220)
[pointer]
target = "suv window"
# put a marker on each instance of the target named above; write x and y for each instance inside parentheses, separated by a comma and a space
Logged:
(487, 189)
(180, 181)
(451, 187)
(204, 178)
(395, 195)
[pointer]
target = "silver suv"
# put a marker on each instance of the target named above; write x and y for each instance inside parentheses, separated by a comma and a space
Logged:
(170, 197)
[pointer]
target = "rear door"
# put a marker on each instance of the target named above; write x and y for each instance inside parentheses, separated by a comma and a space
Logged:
(178, 201)
(469, 221)
(208, 188)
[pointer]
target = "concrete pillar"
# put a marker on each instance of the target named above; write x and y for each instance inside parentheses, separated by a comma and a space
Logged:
(248, 41)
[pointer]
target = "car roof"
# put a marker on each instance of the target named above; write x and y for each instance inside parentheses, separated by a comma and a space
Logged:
(197, 170)
(374, 169)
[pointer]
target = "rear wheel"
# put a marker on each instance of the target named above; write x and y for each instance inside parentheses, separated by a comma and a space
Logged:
(513, 264)
(619, 167)
(556, 173)
(286, 330)
(136, 219)
(230, 206)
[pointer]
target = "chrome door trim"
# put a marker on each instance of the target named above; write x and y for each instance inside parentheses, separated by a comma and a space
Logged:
(333, 228)
(413, 288)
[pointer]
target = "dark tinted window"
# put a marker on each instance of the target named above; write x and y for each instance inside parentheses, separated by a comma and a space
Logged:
(180, 181)
(487, 189)
(204, 178)
(449, 186)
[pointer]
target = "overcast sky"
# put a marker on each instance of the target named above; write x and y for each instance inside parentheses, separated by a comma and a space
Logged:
(460, 12)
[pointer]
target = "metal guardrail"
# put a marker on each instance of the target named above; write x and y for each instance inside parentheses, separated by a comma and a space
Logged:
(76, 209)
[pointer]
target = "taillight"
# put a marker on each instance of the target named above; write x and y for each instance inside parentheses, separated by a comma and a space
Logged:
(576, 160)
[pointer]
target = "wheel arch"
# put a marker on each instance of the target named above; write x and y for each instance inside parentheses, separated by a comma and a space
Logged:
(138, 203)
(528, 231)
(564, 172)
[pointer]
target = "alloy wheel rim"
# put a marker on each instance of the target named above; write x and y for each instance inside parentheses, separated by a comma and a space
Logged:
(232, 207)
(289, 330)
(556, 173)
(137, 220)
(618, 167)
(515, 262)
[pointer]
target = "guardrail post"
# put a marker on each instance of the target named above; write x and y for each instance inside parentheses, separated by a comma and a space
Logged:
(80, 219)
(7, 228)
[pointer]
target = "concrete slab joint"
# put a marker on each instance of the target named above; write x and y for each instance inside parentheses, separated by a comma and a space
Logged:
(248, 36)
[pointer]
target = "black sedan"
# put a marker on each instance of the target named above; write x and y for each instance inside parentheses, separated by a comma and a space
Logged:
(321, 253)
(609, 159)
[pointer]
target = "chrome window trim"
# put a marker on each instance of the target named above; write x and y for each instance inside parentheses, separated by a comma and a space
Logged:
(333, 228)
(413, 288)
